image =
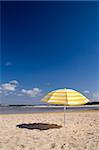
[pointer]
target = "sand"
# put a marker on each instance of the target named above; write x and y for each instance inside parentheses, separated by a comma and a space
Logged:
(80, 133)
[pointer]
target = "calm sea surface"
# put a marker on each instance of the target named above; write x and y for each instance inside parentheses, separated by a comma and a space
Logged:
(29, 109)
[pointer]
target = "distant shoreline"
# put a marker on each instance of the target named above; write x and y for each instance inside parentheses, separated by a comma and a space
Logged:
(44, 108)
(51, 112)
(49, 106)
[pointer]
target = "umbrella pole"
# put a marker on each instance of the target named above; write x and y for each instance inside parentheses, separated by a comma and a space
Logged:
(64, 114)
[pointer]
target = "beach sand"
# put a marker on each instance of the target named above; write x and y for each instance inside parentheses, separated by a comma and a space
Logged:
(80, 133)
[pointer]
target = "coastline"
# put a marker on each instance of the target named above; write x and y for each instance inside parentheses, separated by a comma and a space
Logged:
(52, 112)
(41, 109)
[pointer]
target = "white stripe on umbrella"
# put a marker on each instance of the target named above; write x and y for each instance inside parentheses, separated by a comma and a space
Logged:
(66, 97)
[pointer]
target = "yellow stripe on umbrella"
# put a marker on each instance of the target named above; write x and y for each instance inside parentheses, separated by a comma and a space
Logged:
(66, 97)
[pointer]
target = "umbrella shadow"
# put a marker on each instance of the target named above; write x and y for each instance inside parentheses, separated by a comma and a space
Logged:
(39, 126)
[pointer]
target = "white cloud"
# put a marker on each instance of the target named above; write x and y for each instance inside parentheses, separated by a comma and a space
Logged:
(87, 91)
(24, 91)
(32, 93)
(8, 64)
(10, 86)
(20, 94)
(14, 82)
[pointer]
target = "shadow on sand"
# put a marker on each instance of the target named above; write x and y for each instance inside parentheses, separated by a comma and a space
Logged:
(39, 126)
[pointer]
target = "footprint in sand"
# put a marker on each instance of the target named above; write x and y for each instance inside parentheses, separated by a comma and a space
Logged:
(53, 145)
(62, 147)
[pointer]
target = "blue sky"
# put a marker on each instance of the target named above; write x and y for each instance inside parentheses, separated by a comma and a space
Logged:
(46, 46)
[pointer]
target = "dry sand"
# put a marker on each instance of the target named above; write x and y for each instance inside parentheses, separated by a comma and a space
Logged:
(81, 131)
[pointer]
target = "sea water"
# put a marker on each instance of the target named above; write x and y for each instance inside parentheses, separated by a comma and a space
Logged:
(32, 109)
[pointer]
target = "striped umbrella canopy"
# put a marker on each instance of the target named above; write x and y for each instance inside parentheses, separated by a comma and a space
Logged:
(66, 97)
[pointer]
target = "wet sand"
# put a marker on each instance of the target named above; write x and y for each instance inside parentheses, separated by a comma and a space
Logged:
(43, 131)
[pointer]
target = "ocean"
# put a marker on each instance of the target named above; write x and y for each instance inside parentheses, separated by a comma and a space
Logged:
(35, 109)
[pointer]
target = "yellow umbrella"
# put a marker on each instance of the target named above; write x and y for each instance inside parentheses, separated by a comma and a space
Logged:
(66, 97)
